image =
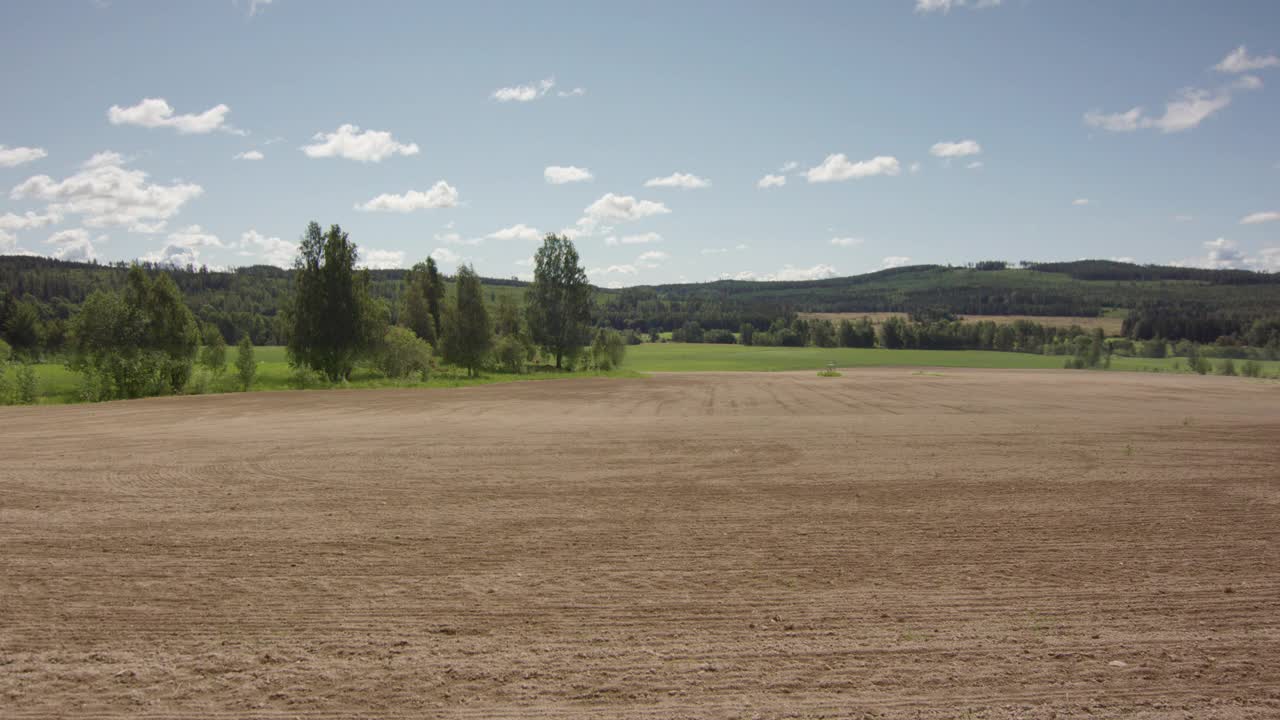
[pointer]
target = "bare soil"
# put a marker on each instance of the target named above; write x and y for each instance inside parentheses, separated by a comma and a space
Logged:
(1111, 326)
(890, 543)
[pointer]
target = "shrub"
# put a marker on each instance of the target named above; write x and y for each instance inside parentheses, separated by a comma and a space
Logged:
(26, 387)
(1251, 369)
(6, 352)
(511, 353)
(719, 337)
(403, 354)
(607, 349)
(1227, 367)
(200, 382)
(213, 356)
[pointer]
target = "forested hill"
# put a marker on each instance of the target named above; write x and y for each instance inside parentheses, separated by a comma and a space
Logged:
(1198, 302)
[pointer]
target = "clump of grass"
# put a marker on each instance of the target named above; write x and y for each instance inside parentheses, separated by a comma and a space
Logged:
(829, 371)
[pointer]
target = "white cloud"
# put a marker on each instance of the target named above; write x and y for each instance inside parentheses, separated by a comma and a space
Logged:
(576, 92)
(1127, 121)
(769, 181)
(678, 180)
(524, 93)
(1238, 61)
(255, 6)
(1247, 82)
(15, 156)
(194, 236)
(614, 270)
(653, 256)
(945, 6)
(28, 220)
(641, 239)
(350, 143)
(381, 259)
(957, 149)
(156, 113)
(445, 255)
(1080, 202)
(557, 175)
(1191, 107)
(441, 195)
(837, 167)
(611, 208)
(73, 245)
(1260, 217)
(184, 247)
(975, 165)
(271, 250)
(1268, 260)
(915, 168)
(106, 193)
(788, 166)
(519, 231)
(249, 155)
(894, 261)
(787, 273)
(1223, 254)
(846, 241)
(8, 242)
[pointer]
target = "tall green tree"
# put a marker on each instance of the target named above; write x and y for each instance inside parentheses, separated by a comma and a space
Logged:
(468, 332)
(246, 366)
(331, 321)
(435, 294)
(22, 328)
(213, 355)
(418, 297)
(559, 301)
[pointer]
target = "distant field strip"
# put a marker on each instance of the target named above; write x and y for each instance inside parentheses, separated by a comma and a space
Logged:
(1110, 325)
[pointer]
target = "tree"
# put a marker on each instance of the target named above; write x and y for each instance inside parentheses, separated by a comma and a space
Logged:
(23, 329)
(559, 301)
(468, 333)
(747, 332)
(137, 342)
(607, 349)
(214, 353)
(404, 354)
(435, 294)
(246, 366)
(418, 294)
(331, 321)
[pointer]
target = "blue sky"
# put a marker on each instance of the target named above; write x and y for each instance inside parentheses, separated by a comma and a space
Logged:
(883, 133)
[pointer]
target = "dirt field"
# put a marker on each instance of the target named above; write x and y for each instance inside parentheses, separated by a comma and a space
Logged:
(890, 543)
(1110, 325)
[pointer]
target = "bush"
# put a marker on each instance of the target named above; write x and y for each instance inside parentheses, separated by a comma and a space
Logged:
(511, 353)
(1227, 367)
(403, 354)
(1251, 369)
(1199, 364)
(26, 388)
(607, 349)
(6, 352)
(201, 381)
(213, 356)
(719, 337)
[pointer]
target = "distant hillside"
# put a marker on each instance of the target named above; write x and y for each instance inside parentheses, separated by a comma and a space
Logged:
(250, 298)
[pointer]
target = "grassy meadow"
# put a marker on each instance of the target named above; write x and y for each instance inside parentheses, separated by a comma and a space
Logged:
(60, 385)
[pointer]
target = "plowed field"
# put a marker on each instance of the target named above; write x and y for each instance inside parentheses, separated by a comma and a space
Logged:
(890, 543)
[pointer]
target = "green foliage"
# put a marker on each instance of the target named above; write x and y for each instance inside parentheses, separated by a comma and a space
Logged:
(1251, 368)
(24, 389)
(822, 333)
(1227, 367)
(747, 333)
(22, 329)
(468, 333)
(718, 336)
(6, 352)
(138, 342)
(608, 349)
(213, 356)
(246, 366)
(559, 301)
(892, 333)
(331, 321)
(403, 354)
(419, 297)
(435, 296)
(511, 353)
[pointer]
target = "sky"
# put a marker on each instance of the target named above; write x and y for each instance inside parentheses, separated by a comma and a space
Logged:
(672, 141)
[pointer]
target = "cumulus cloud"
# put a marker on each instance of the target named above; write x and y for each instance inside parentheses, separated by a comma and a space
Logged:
(445, 255)
(1188, 108)
(576, 92)
(653, 256)
(771, 181)
(1247, 82)
(73, 245)
(106, 193)
(945, 6)
(787, 273)
(611, 208)
(349, 142)
(614, 270)
(157, 113)
(957, 149)
(1260, 217)
(1223, 254)
(678, 180)
(441, 195)
(28, 220)
(270, 250)
(524, 93)
(194, 236)
(519, 231)
(184, 247)
(894, 261)
(846, 241)
(557, 175)
(15, 156)
(249, 155)
(641, 239)
(381, 259)
(837, 167)
(1238, 61)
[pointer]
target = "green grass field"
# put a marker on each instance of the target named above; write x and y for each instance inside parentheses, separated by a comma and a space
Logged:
(60, 385)
(684, 357)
